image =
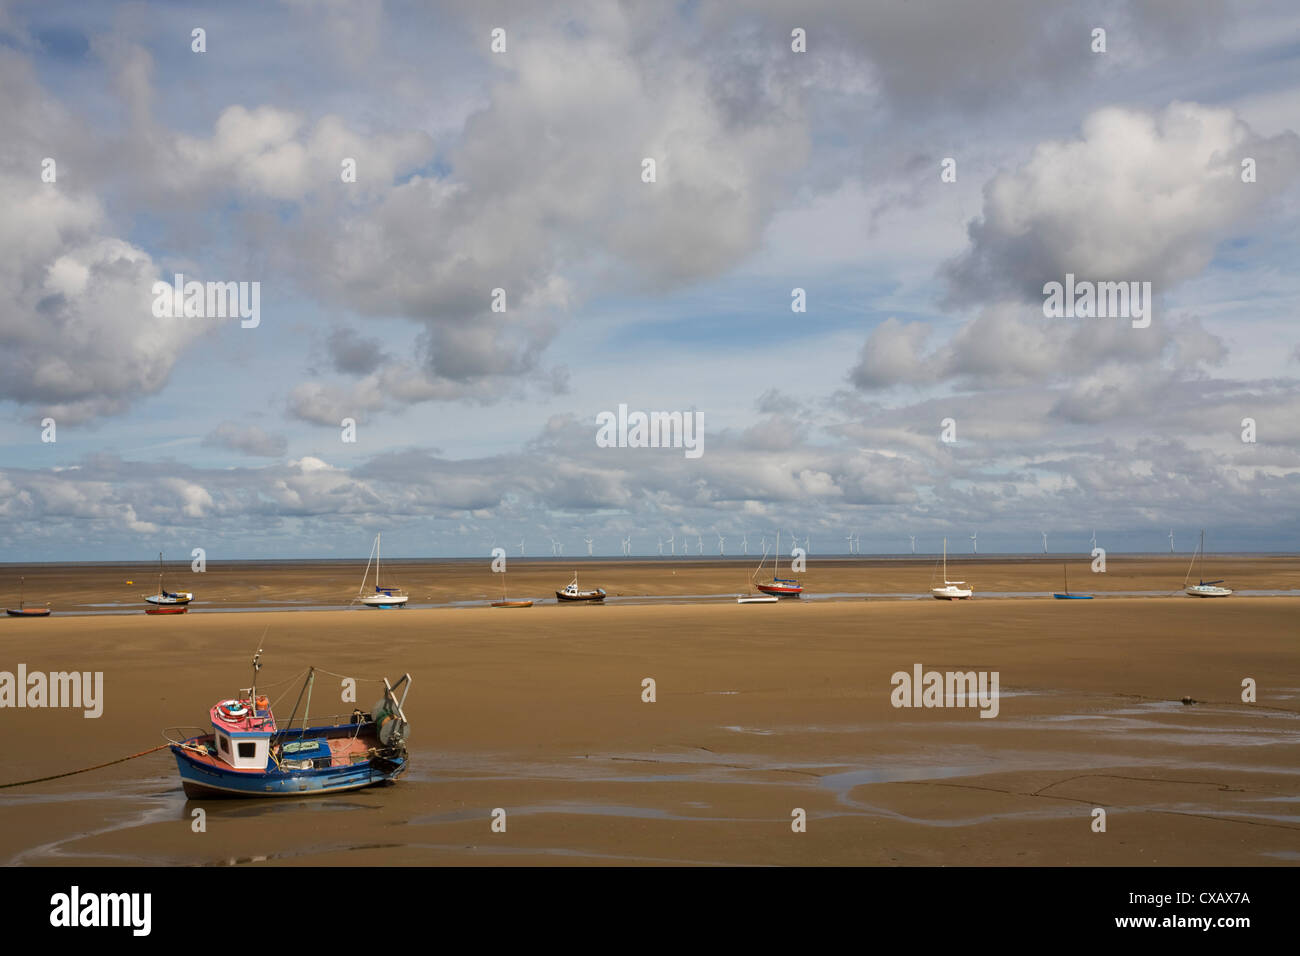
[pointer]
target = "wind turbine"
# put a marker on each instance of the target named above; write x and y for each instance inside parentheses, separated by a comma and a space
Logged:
(521, 547)
(763, 544)
(744, 542)
(857, 542)
(699, 543)
(807, 544)
(588, 540)
(661, 547)
(913, 540)
(1094, 539)
(722, 545)
(556, 548)
(627, 546)
(849, 538)
(672, 546)
(1044, 542)
(974, 543)
(1171, 540)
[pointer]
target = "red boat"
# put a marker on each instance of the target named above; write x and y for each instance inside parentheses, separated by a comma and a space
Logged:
(778, 587)
(781, 587)
(167, 609)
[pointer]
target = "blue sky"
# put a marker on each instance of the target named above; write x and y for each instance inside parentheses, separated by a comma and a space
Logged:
(778, 170)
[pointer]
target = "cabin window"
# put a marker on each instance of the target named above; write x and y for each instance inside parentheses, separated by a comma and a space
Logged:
(247, 751)
(224, 743)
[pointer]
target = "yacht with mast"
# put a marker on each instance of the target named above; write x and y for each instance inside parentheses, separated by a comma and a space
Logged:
(1204, 589)
(951, 590)
(778, 587)
(165, 598)
(383, 596)
(22, 610)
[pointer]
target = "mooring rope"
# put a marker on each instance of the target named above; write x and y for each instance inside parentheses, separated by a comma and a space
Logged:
(23, 783)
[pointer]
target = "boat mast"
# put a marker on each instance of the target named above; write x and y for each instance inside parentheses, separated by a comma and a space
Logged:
(20, 592)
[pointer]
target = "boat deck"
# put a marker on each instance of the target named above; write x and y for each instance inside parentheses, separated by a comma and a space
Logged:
(345, 750)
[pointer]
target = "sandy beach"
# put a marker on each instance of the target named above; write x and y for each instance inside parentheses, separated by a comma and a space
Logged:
(759, 711)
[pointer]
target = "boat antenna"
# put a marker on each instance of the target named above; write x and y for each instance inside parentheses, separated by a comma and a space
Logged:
(257, 666)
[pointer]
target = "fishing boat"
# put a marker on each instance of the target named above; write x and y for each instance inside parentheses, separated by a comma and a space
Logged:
(572, 592)
(248, 754)
(778, 587)
(951, 590)
(22, 610)
(1067, 596)
(168, 609)
(165, 598)
(1204, 589)
(383, 597)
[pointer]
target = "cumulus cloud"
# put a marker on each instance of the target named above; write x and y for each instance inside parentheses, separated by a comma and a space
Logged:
(80, 340)
(1137, 196)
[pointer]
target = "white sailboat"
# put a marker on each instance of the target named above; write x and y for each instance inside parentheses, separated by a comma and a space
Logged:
(951, 590)
(383, 597)
(1205, 589)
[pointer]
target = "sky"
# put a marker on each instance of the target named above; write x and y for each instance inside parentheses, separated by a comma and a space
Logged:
(921, 172)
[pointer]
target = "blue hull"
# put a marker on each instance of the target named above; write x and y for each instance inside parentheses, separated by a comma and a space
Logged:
(1073, 597)
(208, 778)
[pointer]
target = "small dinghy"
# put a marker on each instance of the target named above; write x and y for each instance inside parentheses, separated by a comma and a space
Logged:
(572, 592)
(247, 754)
(22, 610)
(169, 609)
(165, 598)
(757, 599)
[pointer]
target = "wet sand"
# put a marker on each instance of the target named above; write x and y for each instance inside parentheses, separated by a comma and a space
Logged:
(760, 710)
(287, 585)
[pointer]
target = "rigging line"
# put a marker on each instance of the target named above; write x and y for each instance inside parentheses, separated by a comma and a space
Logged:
(367, 680)
(23, 783)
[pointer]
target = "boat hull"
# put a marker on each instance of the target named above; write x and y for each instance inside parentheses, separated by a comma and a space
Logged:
(165, 609)
(1073, 597)
(951, 594)
(170, 600)
(28, 612)
(205, 776)
(512, 603)
(588, 596)
(781, 590)
(384, 602)
(767, 599)
(1208, 591)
